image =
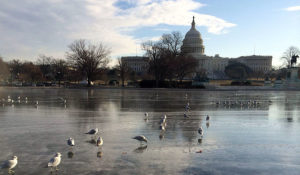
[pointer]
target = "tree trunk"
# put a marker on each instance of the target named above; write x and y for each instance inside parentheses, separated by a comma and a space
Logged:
(89, 82)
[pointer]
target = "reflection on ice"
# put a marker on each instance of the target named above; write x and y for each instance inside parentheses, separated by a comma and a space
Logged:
(249, 132)
(70, 154)
(140, 149)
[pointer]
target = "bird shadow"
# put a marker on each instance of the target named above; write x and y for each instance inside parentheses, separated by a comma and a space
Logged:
(207, 124)
(70, 154)
(11, 172)
(161, 135)
(92, 141)
(140, 149)
(99, 154)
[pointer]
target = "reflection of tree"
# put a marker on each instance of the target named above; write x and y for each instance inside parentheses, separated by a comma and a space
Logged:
(290, 109)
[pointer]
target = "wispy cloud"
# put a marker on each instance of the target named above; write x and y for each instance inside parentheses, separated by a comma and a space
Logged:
(29, 27)
(293, 8)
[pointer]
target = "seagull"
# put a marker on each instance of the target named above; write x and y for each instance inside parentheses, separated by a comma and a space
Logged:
(99, 141)
(207, 117)
(141, 138)
(187, 107)
(185, 116)
(146, 115)
(162, 127)
(162, 121)
(62, 99)
(10, 164)
(55, 161)
(165, 117)
(71, 142)
(200, 131)
(8, 99)
(93, 131)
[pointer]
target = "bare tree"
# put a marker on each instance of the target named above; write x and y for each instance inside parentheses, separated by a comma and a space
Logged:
(45, 62)
(30, 72)
(123, 70)
(172, 42)
(153, 51)
(59, 69)
(185, 66)
(88, 58)
(166, 60)
(288, 54)
(3, 69)
(15, 67)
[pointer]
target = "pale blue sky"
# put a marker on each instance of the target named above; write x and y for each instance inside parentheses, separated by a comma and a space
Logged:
(230, 28)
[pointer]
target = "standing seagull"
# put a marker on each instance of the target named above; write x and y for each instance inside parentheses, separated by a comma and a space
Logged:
(99, 141)
(187, 107)
(207, 117)
(71, 142)
(10, 164)
(141, 138)
(200, 131)
(93, 131)
(162, 127)
(146, 115)
(55, 161)
(185, 116)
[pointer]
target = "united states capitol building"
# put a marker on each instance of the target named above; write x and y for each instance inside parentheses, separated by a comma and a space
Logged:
(214, 66)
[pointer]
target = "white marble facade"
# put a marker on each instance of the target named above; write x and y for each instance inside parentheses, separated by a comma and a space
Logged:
(215, 65)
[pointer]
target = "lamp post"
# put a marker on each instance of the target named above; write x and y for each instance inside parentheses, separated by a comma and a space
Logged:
(11, 75)
(58, 76)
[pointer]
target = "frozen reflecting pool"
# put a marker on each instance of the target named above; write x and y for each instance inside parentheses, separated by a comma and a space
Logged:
(249, 132)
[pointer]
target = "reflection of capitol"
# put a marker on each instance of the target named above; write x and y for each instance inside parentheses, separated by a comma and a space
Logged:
(214, 66)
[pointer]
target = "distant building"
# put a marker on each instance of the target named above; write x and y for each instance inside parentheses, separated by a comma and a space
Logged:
(138, 64)
(214, 66)
(257, 63)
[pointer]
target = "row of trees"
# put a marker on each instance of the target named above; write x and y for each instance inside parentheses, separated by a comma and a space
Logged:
(85, 60)
(89, 61)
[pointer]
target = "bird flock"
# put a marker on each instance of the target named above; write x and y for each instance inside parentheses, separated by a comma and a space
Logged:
(55, 161)
(241, 103)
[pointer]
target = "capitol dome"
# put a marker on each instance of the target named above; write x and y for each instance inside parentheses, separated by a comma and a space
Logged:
(193, 43)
